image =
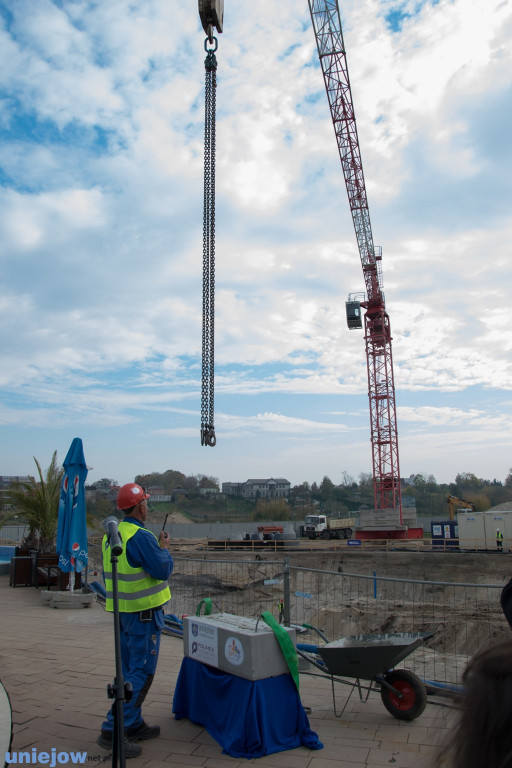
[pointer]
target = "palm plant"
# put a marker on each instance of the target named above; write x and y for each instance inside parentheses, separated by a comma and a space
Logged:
(38, 503)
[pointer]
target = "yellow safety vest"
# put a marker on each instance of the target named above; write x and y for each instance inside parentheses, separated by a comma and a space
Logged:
(136, 589)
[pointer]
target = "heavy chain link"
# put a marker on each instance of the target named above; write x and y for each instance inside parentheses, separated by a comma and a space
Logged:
(208, 342)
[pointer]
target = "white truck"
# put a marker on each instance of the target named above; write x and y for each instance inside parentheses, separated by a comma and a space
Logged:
(323, 527)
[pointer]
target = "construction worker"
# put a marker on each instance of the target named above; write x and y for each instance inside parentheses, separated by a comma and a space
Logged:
(143, 569)
(281, 611)
(499, 540)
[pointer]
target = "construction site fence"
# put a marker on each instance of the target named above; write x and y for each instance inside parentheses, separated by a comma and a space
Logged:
(342, 545)
(13, 535)
(461, 618)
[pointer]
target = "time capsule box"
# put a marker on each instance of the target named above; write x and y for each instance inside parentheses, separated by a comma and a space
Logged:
(241, 646)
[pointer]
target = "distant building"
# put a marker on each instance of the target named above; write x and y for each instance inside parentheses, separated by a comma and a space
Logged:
(209, 491)
(179, 491)
(156, 490)
(157, 493)
(233, 489)
(93, 492)
(6, 483)
(90, 493)
(271, 488)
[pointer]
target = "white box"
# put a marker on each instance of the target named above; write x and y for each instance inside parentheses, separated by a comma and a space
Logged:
(243, 647)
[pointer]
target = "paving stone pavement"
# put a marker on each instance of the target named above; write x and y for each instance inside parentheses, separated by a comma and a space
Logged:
(55, 666)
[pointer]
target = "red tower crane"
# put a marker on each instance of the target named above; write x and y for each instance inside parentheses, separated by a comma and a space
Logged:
(325, 17)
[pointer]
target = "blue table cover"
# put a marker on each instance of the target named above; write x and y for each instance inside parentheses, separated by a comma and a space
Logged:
(247, 718)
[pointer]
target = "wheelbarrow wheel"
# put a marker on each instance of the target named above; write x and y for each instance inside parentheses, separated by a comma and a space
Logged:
(413, 695)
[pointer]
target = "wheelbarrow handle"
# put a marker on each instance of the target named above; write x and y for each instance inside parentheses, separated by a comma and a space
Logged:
(314, 660)
(318, 631)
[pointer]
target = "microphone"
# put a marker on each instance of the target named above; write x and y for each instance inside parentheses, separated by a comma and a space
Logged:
(110, 524)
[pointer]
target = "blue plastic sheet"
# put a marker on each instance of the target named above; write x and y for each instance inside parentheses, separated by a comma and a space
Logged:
(247, 718)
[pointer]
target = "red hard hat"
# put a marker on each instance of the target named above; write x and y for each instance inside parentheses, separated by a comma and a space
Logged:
(130, 495)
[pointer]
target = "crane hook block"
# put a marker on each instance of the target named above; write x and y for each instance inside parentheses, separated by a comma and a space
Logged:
(211, 13)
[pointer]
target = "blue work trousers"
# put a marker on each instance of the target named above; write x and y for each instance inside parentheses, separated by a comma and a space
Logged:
(140, 644)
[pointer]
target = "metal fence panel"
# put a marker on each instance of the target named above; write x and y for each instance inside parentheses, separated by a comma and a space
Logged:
(242, 587)
(464, 618)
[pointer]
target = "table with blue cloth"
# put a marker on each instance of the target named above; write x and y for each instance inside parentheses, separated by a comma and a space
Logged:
(247, 718)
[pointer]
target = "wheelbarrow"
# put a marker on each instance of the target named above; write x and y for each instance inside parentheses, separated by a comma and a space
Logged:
(371, 658)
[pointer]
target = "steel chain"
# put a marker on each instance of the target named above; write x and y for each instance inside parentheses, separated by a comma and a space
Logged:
(208, 340)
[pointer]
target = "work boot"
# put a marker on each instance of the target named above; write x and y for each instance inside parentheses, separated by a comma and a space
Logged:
(142, 732)
(130, 749)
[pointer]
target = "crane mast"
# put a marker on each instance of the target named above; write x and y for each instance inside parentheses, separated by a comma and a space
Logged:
(326, 22)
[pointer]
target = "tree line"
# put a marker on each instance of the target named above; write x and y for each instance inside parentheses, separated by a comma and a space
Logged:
(37, 499)
(172, 479)
(349, 495)
(420, 491)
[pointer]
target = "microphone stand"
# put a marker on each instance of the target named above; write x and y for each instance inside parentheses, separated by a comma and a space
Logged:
(119, 690)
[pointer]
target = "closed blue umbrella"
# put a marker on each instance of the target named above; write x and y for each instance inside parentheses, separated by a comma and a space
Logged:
(72, 526)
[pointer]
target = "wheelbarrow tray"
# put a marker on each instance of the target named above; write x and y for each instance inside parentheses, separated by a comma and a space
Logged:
(366, 656)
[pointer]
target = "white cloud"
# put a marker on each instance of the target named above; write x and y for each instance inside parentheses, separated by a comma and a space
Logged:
(30, 220)
(430, 416)
(101, 213)
(232, 426)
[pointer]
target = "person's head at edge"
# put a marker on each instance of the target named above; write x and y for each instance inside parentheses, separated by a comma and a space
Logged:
(483, 736)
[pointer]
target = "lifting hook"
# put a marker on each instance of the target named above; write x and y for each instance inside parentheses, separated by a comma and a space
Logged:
(208, 436)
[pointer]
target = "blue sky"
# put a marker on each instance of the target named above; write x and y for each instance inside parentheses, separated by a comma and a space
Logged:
(101, 163)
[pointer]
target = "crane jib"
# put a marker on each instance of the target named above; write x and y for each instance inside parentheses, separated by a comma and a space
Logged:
(325, 18)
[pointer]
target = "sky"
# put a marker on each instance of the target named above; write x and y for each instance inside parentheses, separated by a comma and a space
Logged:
(101, 205)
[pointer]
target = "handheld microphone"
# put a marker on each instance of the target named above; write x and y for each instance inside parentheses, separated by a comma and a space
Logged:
(110, 524)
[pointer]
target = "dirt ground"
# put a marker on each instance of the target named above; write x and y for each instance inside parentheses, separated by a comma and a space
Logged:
(462, 567)
(454, 567)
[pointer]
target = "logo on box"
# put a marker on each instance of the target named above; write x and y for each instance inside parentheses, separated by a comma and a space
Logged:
(233, 651)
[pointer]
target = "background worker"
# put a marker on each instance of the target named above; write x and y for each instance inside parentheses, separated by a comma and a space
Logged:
(499, 540)
(143, 569)
(281, 610)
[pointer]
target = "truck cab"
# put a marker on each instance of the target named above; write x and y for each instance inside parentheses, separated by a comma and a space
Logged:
(314, 525)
